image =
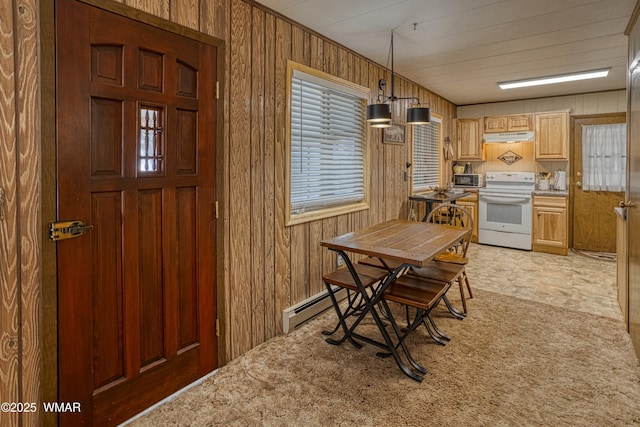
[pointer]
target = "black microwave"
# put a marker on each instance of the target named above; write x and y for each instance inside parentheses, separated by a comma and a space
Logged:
(468, 180)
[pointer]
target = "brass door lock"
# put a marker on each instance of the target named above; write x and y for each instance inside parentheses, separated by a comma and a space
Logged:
(62, 230)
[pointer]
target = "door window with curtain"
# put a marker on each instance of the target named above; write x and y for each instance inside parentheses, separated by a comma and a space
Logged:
(327, 173)
(604, 157)
(427, 140)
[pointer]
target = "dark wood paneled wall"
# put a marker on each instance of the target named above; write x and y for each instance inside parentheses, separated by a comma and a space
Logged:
(20, 255)
(270, 266)
(266, 266)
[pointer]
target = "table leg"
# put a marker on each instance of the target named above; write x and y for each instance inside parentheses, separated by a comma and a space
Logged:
(456, 313)
(341, 319)
(427, 210)
(370, 302)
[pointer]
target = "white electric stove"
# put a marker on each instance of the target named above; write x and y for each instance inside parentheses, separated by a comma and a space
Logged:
(504, 209)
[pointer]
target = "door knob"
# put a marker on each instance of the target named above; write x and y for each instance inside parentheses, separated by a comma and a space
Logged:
(578, 184)
(627, 204)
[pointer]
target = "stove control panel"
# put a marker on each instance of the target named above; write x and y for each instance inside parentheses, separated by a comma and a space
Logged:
(524, 177)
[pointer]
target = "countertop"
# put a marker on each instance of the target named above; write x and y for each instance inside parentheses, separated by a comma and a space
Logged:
(553, 193)
(550, 192)
(462, 189)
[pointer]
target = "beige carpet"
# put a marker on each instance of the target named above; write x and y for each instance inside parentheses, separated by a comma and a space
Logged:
(512, 362)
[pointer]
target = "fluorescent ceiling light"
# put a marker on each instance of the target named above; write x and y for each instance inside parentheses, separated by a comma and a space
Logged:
(560, 78)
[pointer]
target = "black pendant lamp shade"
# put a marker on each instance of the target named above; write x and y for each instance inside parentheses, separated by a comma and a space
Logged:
(418, 116)
(378, 113)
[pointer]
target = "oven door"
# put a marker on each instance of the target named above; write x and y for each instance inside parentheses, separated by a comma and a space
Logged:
(509, 213)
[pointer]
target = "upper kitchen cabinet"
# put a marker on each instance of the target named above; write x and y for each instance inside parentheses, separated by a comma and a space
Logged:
(552, 136)
(512, 123)
(469, 139)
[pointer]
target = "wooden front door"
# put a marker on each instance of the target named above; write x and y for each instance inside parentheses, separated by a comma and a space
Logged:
(136, 125)
(594, 220)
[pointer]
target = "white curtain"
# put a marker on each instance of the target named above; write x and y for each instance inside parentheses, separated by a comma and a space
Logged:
(604, 157)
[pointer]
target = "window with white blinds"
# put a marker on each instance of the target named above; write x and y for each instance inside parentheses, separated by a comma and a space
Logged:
(426, 155)
(327, 145)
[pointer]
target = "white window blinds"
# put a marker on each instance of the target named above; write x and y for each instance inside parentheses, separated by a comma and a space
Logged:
(328, 136)
(426, 155)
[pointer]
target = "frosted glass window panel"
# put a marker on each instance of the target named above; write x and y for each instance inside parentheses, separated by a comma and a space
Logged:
(604, 157)
(150, 144)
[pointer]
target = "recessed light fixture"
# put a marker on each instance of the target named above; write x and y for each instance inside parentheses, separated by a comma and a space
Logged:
(560, 78)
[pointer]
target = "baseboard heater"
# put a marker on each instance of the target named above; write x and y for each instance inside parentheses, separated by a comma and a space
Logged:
(312, 306)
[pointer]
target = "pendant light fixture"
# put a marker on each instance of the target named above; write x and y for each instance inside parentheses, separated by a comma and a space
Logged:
(379, 114)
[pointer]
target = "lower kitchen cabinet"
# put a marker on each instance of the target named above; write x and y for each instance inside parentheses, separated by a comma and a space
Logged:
(470, 203)
(550, 224)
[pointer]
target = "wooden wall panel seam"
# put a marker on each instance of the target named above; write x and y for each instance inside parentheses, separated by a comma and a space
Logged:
(9, 242)
(270, 176)
(29, 205)
(257, 202)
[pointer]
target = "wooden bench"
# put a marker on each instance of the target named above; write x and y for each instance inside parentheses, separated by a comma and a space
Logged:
(415, 291)
(424, 295)
(367, 275)
(436, 271)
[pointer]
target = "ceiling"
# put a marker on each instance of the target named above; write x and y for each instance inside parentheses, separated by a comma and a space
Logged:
(461, 49)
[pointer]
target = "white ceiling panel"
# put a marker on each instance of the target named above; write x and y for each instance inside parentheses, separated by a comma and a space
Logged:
(461, 49)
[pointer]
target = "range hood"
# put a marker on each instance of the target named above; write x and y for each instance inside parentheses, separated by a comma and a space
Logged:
(525, 136)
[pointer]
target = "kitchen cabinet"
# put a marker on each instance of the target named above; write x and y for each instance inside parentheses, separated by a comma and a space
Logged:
(550, 224)
(469, 146)
(552, 136)
(512, 123)
(470, 203)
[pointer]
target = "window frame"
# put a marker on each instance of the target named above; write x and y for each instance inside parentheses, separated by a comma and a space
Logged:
(441, 161)
(336, 83)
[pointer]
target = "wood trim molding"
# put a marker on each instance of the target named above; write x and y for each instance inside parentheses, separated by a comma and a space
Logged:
(49, 374)
(147, 18)
(632, 19)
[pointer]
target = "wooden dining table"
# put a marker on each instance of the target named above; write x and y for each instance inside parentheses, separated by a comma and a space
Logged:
(408, 244)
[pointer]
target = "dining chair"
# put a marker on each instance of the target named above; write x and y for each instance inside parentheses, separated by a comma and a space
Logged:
(423, 281)
(450, 265)
(354, 278)
(423, 295)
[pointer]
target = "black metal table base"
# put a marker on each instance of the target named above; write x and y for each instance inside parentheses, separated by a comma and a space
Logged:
(368, 304)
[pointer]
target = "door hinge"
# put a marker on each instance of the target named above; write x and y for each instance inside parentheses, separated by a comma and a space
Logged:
(217, 90)
(216, 209)
(217, 327)
(62, 230)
